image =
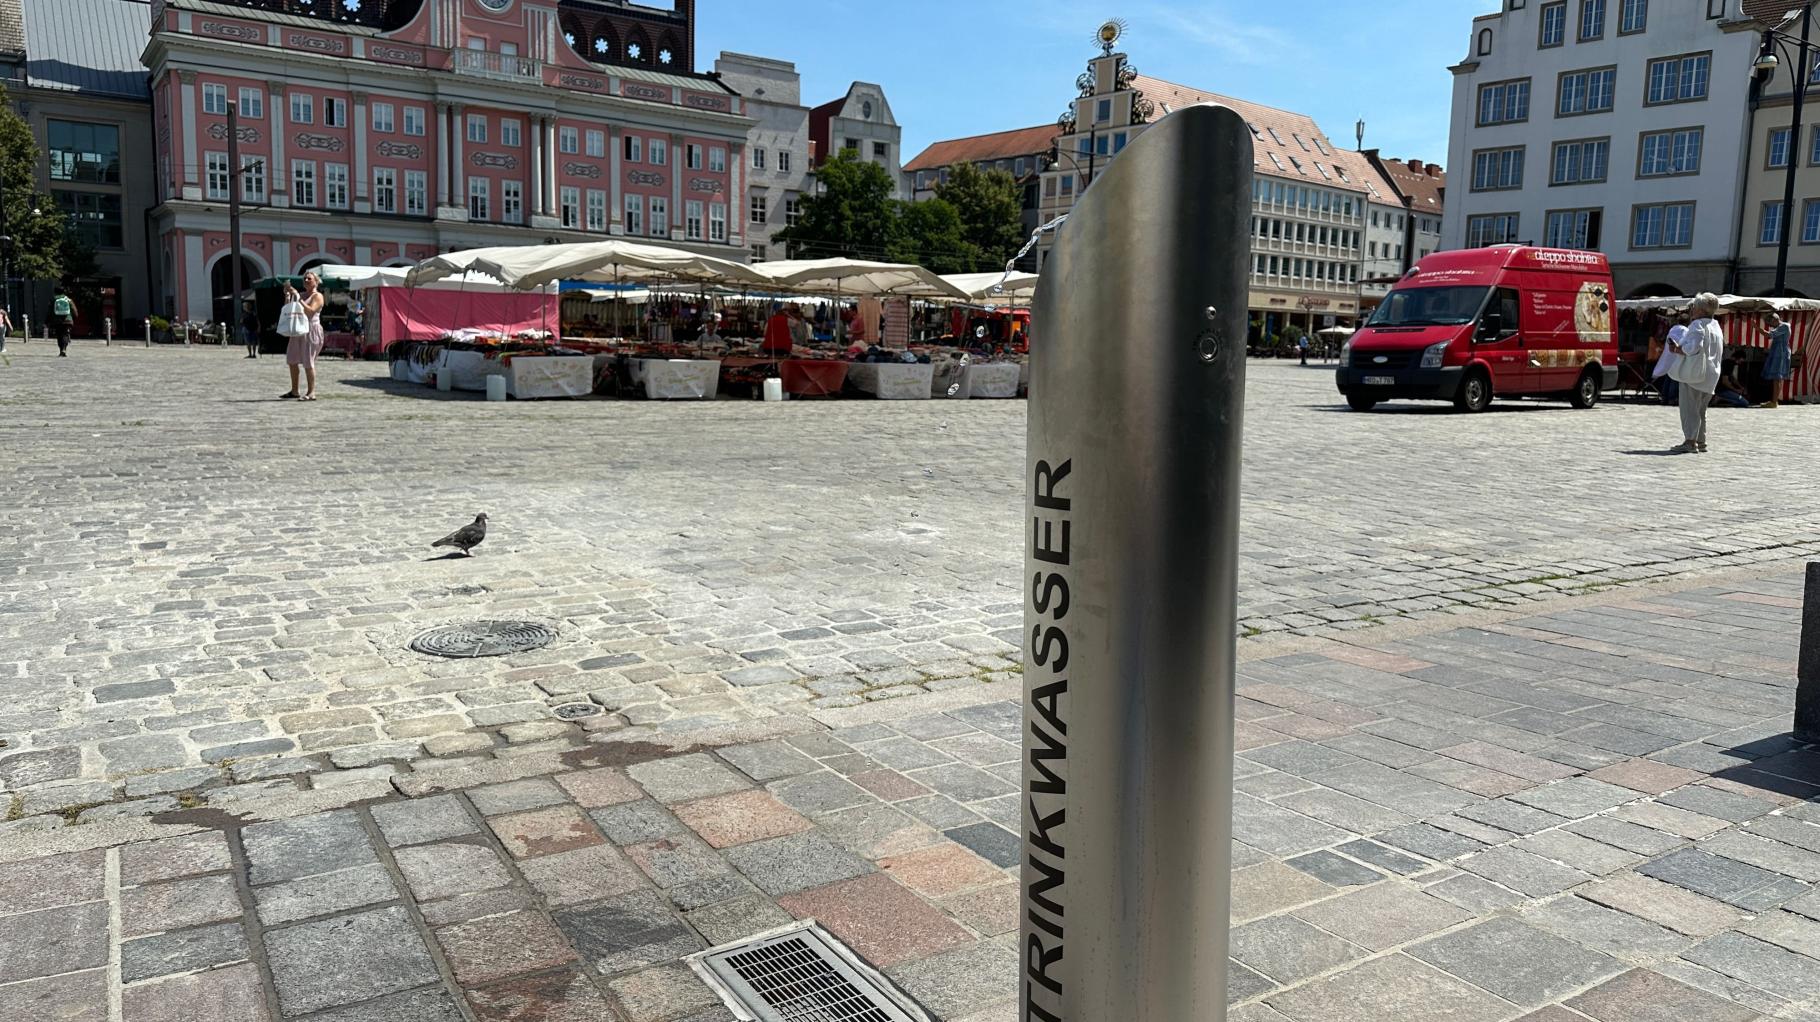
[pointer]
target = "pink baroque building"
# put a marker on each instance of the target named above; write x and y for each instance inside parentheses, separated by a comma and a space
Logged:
(386, 131)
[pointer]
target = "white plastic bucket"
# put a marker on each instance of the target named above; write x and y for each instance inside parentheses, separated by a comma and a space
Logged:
(774, 390)
(496, 388)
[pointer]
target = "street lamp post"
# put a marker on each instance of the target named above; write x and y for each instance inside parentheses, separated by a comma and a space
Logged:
(1800, 75)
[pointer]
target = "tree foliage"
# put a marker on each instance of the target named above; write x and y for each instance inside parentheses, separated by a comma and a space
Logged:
(975, 223)
(33, 219)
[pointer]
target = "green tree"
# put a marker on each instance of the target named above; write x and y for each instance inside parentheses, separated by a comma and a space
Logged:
(853, 215)
(32, 218)
(991, 209)
(933, 236)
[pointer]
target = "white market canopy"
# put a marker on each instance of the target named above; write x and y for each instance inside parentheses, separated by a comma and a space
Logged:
(531, 266)
(983, 287)
(361, 278)
(1727, 304)
(854, 278)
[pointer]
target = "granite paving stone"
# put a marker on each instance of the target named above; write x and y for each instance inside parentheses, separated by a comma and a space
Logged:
(684, 778)
(232, 994)
(179, 951)
(56, 880)
(1270, 887)
(545, 831)
(1575, 797)
(989, 912)
(1519, 963)
(347, 959)
(1644, 996)
(941, 870)
(662, 994)
(632, 931)
(1288, 950)
(288, 849)
(564, 996)
(324, 894)
(1336, 870)
(583, 875)
(1243, 983)
(1666, 904)
(178, 904)
(877, 831)
(1628, 836)
(605, 786)
(495, 947)
(1473, 893)
(1723, 879)
(1380, 917)
(820, 793)
(794, 863)
(445, 870)
(421, 821)
(1520, 871)
(428, 1005)
(1720, 805)
(69, 997)
(53, 940)
(729, 921)
(989, 841)
(1387, 859)
(675, 861)
(878, 918)
(962, 980)
(1615, 933)
(1583, 854)
(741, 817)
(517, 796)
(1788, 930)
(1394, 987)
(1759, 963)
(631, 822)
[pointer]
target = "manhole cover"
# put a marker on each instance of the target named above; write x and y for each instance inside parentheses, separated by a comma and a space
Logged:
(802, 974)
(576, 711)
(483, 638)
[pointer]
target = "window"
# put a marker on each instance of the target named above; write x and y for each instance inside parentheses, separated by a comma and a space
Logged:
(512, 202)
(1573, 228)
(1679, 79)
(480, 191)
(416, 192)
(1633, 16)
(568, 140)
(758, 158)
(1586, 92)
(1592, 20)
(758, 206)
(758, 253)
(1554, 25)
(1769, 224)
(634, 149)
(660, 217)
(1504, 102)
(635, 214)
(252, 104)
(660, 154)
(252, 178)
(882, 150)
(597, 144)
(692, 220)
(385, 190)
(1103, 147)
(83, 153)
(477, 129)
(383, 118)
(1663, 225)
(1491, 229)
(216, 176)
(511, 134)
(1670, 153)
(692, 155)
(413, 120)
(303, 108)
(793, 211)
(1485, 38)
(335, 185)
(597, 210)
(1104, 112)
(783, 161)
(717, 221)
(1777, 151)
(334, 112)
(1581, 162)
(1497, 169)
(214, 99)
(571, 207)
(303, 183)
(1813, 155)
(1810, 222)
(1021, 167)
(717, 160)
(853, 144)
(94, 217)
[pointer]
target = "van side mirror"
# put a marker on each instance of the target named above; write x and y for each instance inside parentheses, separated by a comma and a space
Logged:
(1491, 326)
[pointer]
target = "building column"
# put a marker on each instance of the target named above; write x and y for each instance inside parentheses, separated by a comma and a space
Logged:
(551, 206)
(736, 194)
(679, 165)
(535, 126)
(277, 187)
(442, 154)
(616, 201)
(458, 183)
(192, 158)
(362, 186)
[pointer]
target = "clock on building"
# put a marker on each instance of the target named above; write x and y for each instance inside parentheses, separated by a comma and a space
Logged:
(495, 5)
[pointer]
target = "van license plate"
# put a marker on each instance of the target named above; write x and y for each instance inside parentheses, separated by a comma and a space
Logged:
(1380, 381)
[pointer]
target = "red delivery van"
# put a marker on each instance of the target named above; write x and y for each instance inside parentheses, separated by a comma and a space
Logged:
(1504, 321)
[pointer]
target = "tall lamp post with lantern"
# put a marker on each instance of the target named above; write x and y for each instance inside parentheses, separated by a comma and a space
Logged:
(1801, 64)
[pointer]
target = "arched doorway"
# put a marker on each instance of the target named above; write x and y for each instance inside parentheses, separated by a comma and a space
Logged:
(1656, 291)
(221, 286)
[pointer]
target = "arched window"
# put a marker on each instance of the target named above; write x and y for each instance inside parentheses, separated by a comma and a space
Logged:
(1485, 42)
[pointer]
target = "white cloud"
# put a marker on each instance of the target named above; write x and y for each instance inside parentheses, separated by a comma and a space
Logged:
(1243, 42)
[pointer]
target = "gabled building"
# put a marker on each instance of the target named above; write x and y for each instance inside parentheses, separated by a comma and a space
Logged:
(778, 170)
(860, 121)
(385, 131)
(1023, 153)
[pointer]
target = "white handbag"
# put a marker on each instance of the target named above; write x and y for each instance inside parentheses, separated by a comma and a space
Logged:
(293, 321)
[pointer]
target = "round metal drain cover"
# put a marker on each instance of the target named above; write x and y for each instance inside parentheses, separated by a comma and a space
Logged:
(576, 711)
(483, 638)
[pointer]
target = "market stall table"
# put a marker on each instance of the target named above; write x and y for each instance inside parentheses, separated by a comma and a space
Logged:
(990, 380)
(677, 379)
(893, 381)
(547, 376)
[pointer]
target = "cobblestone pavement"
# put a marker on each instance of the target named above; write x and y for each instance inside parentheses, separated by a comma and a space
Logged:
(1589, 814)
(206, 589)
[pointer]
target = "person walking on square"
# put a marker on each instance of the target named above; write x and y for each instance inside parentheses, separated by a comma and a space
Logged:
(301, 352)
(249, 330)
(1777, 367)
(63, 319)
(1702, 350)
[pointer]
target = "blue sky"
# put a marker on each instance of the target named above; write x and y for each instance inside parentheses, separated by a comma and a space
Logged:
(953, 67)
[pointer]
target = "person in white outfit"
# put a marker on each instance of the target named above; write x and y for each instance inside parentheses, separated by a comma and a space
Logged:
(1702, 349)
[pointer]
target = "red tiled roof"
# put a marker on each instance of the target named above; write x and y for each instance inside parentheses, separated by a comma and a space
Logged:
(997, 146)
(1422, 187)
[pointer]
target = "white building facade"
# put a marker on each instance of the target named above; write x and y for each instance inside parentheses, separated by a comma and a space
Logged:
(1611, 125)
(778, 170)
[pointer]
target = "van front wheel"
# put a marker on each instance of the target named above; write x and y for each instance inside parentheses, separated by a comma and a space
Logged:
(1361, 403)
(1586, 392)
(1475, 392)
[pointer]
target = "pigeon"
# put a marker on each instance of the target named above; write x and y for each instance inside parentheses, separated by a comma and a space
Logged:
(465, 538)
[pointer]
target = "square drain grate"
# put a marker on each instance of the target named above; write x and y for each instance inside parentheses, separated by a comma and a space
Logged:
(802, 974)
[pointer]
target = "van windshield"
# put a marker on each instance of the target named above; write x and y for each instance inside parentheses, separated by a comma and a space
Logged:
(1429, 306)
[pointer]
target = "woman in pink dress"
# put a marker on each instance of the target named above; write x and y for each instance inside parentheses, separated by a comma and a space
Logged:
(301, 352)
